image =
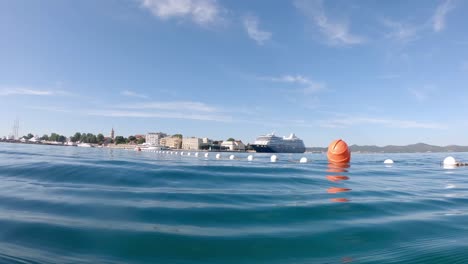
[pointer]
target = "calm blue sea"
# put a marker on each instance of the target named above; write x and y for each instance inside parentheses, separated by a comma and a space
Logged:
(78, 205)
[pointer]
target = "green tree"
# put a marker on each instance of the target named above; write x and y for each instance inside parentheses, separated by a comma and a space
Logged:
(131, 138)
(119, 140)
(177, 136)
(45, 137)
(61, 138)
(100, 138)
(230, 139)
(53, 137)
(29, 136)
(76, 137)
(141, 140)
(84, 138)
(92, 138)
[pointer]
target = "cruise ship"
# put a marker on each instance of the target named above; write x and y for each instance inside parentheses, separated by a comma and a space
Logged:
(273, 144)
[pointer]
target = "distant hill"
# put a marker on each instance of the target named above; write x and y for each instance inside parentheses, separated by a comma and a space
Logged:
(413, 148)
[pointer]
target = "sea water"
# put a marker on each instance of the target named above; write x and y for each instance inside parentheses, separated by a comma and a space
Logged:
(100, 205)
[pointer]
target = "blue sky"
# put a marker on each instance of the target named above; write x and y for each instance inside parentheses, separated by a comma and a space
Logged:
(370, 72)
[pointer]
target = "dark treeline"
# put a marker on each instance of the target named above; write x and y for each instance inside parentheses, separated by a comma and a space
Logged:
(129, 140)
(90, 138)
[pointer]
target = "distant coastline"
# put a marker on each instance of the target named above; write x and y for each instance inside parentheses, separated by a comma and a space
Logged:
(412, 148)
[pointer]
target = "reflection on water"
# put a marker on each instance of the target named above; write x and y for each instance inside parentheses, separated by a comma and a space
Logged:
(76, 205)
(339, 168)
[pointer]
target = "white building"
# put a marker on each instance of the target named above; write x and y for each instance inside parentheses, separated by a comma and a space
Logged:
(192, 143)
(171, 142)
(153, 138)
(236, 145)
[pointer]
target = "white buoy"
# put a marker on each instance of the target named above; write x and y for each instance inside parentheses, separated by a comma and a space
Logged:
(388, 161)
(206, 155)
(250, 157)
(182, 153)
(218, 156)
(273, 158)
(303, 160)
(196, 154)
(450, 161)
(188, 154)
(232, 157)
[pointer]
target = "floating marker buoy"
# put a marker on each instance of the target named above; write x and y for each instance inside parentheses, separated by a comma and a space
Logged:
(182, 153)
(206, 155)
(232, 157)
(388, 161)
(450, 161)
(188, 154)
(273, 158)
(338, 152)
(218, 156)
(303, 160)
(250, 157)
(196, 154)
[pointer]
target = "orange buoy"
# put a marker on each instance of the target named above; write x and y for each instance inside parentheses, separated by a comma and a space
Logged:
(338, 152)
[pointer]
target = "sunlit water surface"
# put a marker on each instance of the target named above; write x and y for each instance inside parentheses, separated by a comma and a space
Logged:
(79, 205)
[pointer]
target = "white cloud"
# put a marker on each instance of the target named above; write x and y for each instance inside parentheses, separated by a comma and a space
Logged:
(167, 115)
(400, 31)
(202, 12)
(423, 93)
(27, 91)
(133, 94)
(251, 26)
(167, 110)
(347, 121)
(310, 85)
(175, 105)
(336, 32)
(440, 14)
(419, 95)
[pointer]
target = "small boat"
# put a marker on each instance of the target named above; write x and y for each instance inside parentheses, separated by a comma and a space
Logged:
(85, 145)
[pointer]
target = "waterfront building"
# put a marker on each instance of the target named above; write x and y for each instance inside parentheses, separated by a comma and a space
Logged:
(234, 145)
(171, 142)
(192, 143)
(153, 138)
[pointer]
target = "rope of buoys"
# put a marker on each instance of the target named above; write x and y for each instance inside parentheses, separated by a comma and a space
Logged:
(450, 162)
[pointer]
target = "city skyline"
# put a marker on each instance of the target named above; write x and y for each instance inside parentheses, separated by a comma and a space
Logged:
(372, 73)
